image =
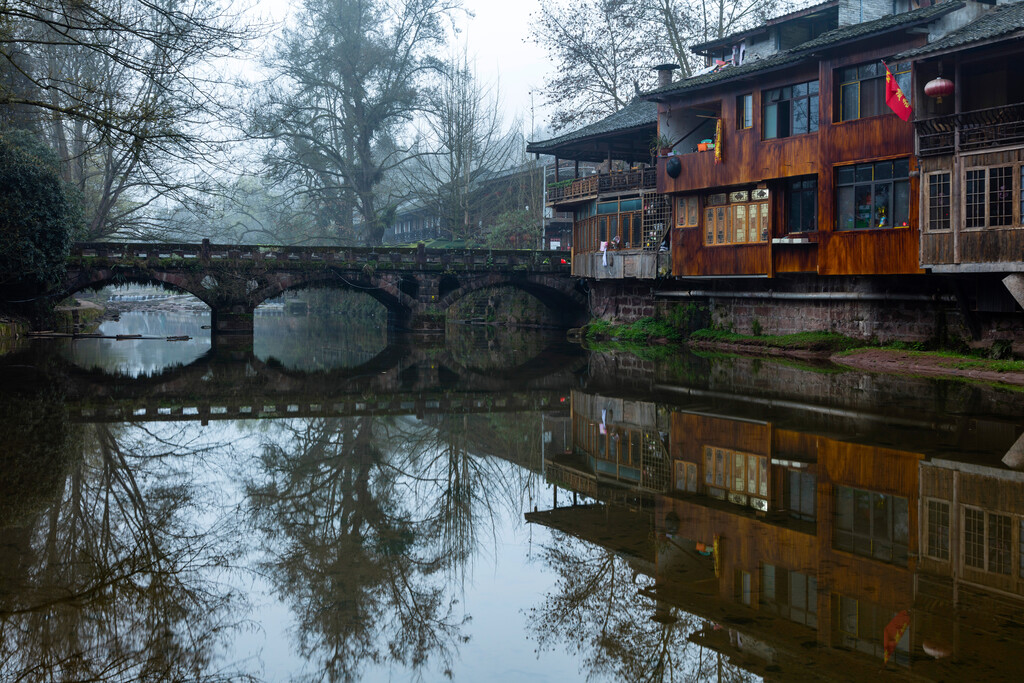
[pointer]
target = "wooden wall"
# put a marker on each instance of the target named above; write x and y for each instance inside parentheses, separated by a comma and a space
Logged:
(748, 160)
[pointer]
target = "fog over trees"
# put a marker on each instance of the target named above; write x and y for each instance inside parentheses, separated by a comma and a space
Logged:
(174, 120)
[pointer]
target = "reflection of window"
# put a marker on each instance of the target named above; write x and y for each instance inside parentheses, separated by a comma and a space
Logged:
(938, 530)
(860, 626)
(745, 111)
(988, 197)
(872, 524)
(873, 195)
(802, 204)
(938, 201)
(741, 586)
(687, 213)
(686, 476)
(862, 89)
(743, 474)
(987, 541)
(792, 110)
(790, 595)
(799, 494)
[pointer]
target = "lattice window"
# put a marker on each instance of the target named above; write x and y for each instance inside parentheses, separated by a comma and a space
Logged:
(657, 219)
(939, 201)
(1000, 195)
(938, 529)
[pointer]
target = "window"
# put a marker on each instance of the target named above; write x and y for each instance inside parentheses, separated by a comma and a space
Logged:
(938, 530)
(789, 594)
(861, 89)
(872, 524)
(792, 110)
(742, 218)
(988, 197)
(745, 111)
(987, 541)
(799, 494)
(938, 201)
(802, 204)
(686, 476)
(860, 626)
(741, 476)
(741, 586)
(875, 195)
(687, 212)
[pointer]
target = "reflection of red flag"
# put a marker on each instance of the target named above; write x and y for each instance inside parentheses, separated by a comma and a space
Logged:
(893, 632)
(894, 96)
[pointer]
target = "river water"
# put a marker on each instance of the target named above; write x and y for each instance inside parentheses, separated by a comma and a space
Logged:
(496, 505)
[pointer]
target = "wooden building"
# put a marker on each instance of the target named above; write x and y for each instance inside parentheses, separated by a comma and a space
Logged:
(970, 142)
(787, 175)
(620, 221)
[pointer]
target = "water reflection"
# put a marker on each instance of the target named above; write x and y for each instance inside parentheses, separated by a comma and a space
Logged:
(781, 534)
(686, 519)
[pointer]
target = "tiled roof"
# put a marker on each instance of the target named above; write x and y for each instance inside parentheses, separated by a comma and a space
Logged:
(998, 22)
(831, 38)
(739, 35)
(636, 114)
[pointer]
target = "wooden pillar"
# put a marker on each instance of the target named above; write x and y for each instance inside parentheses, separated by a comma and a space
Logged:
(576, 169)
(556, 169)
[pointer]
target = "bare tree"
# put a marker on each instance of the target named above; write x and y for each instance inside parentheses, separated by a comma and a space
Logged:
(125, 91)
(350, 77)
(602, 52)
(463, 143)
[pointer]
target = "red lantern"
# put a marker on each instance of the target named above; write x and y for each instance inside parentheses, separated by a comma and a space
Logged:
(938, 88)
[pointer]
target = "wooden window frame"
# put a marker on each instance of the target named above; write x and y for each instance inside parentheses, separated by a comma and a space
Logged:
(926, 199)
(874, 541)
(1013, 551)
(793, 101)
(928, 515)
(900, 71)
(791, 191)
(742, 102)
(724, 231)
(873, 183)
(1016, 192)
(684, 204)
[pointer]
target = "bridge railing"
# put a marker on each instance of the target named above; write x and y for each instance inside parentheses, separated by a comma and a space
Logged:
(382, 256)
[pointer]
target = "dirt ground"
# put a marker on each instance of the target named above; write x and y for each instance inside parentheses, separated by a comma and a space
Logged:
(885, 360)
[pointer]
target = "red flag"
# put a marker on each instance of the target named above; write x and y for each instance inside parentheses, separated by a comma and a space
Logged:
(894, 96)
(892, 634)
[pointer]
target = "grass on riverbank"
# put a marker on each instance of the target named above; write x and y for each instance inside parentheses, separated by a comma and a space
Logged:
(801, 341)
(645, 330)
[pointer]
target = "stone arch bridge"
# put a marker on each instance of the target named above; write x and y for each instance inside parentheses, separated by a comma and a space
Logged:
(415, 285)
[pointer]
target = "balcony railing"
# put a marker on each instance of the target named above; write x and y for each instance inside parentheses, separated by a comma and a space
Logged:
(594, 185)
(978, 129)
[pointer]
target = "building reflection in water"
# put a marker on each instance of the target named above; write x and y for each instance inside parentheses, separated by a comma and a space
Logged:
(807, 540)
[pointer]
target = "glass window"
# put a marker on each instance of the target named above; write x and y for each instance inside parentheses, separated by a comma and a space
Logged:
(872, 524)
(799, 494)
(873, 195)
(745, 111)
(860, 89)
(802, 204)
(790, 111)
(938, 530)
(938, 201)
(988, 197)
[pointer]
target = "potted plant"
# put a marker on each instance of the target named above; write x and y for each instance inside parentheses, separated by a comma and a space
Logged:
(660, 144)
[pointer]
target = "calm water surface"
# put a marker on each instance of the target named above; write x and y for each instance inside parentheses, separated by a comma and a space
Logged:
(498, 505)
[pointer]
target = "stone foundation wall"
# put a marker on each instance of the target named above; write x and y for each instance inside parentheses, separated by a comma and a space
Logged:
(910, 308)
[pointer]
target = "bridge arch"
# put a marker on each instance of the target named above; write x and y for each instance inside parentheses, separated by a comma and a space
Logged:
(108, 277)
(399, 305)
(563, 297)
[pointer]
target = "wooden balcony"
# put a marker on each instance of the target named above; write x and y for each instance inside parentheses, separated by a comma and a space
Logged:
(971, 131)
(591, 187)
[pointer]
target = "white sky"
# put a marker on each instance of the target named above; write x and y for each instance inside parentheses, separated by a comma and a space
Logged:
(497, 36)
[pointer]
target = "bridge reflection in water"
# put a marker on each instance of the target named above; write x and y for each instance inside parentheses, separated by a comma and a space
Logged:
(708, 519)
(801, 540)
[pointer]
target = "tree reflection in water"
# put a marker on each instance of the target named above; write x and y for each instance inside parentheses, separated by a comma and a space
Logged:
(596, 609)
(111, 578)
(371, 524)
